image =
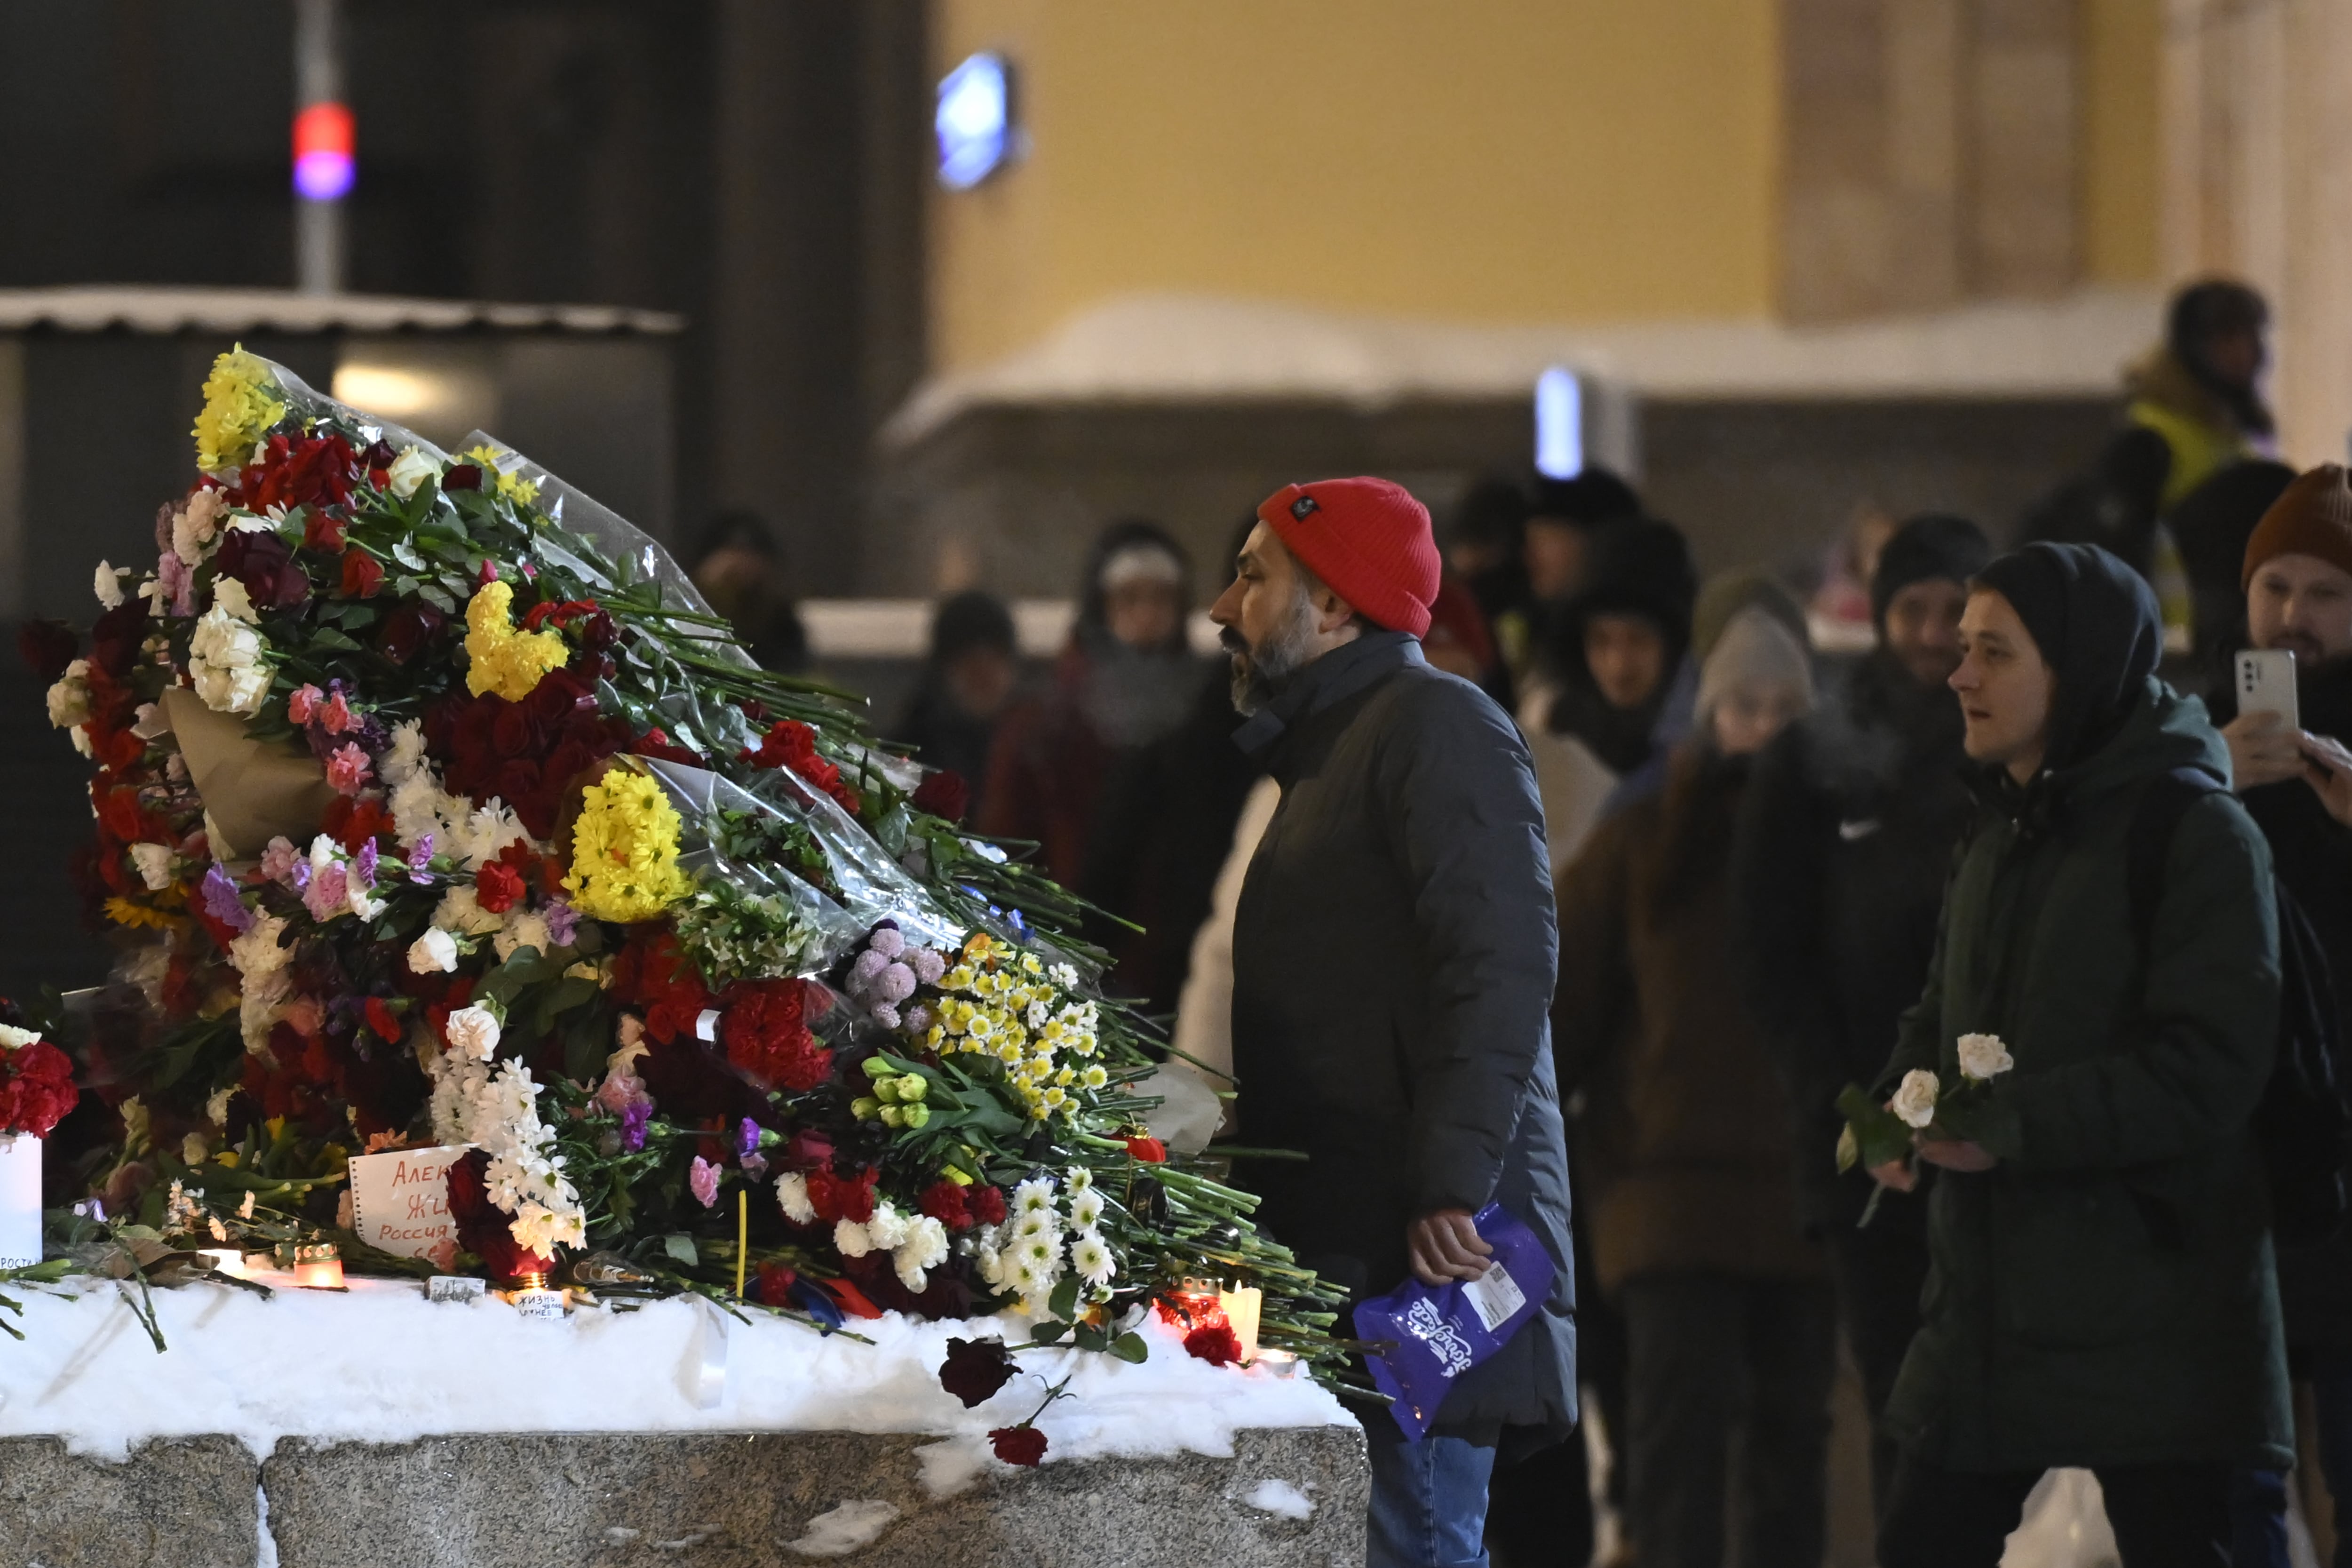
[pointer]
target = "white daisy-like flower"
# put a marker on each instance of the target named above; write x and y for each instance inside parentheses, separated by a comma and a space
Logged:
(1034, 1195)
(1092, 1259)
(1078, 1179)
(1085, 1209)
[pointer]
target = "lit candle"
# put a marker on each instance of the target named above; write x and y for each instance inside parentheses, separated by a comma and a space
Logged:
(1241, 1306)
(319, 1266)
(226, 1260)
(532, 1299)
(1280, 1363)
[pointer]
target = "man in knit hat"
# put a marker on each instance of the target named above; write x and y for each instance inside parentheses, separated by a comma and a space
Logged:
(1393, 955)
(2296, 782)
(1837, 876)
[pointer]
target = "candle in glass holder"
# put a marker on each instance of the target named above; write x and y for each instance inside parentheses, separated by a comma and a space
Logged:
(1241, 1305)
(1281, 1364)
(319, 1266)
(1192, 1305)
(532, 1299)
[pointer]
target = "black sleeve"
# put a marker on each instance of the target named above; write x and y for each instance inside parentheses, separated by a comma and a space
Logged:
(1780, 852)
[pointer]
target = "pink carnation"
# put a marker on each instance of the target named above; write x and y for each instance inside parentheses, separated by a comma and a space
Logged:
(327, 888)
(303, 704)
(347, 769)
(704, 1180)
(277, 861)
(335, 715)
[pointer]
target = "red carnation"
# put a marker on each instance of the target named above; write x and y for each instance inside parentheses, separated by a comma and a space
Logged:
(497, 885)
(774, 1287)
(36, 1089)
(944, 793)
(836, 1197)
(652, 974)
(362, 575)
(789, 743)
(655, 742)
(1215, 1343)
(383, 1019)
(1150, 1150)
(765, 1028)
(944, 1200)
(988, 1205)
(1022, 1445)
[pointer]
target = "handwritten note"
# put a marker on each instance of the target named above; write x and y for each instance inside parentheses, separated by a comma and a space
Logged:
(400, 1201)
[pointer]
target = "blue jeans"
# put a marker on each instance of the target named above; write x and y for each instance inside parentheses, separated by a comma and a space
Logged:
(1429, 1500)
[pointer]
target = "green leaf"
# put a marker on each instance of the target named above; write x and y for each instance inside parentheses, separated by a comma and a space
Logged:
(680, 1247)
(1131, 1347)
(1087, 1337)
(1065, 1303)
(1046, 1334)
(1880, 1136)
(327, 636)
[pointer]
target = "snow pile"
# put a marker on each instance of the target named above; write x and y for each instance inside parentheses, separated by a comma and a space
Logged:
(383, 1364)
(1281, 1498)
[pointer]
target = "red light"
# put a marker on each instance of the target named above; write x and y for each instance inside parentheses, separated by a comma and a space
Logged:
(323, 128)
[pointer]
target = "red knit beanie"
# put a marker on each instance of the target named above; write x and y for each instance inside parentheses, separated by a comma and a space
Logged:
(1369, 541)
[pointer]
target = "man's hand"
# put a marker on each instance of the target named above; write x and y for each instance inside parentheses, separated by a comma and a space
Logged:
(2263, 751)
(1953, 1154)
(1445, 1245)
(1897, 1174)
(2327, 768)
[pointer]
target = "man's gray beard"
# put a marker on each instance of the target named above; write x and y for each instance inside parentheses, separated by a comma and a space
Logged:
(1260, 675)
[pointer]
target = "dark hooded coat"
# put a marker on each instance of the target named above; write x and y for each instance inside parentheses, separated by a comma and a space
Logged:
(1393, 955)
(2105, 1294)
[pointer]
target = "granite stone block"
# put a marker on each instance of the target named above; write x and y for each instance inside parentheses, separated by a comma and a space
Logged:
(188, 1504)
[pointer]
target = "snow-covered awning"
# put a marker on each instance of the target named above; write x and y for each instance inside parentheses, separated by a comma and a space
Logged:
(162, 311)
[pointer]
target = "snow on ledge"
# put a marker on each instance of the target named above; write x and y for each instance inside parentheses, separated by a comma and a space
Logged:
(382, 1364)
(1178, 347)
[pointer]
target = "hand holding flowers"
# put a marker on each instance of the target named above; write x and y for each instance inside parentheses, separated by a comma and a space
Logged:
(1927, 1115)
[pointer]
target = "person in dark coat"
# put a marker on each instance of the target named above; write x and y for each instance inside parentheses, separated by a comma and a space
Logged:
(1127, 678)
(1838, 869)
(1393, 960)
(2297, 575)
(2100, 1288)
(2210, 527)
(1685, 1147)
(739, 567)
(968, 678)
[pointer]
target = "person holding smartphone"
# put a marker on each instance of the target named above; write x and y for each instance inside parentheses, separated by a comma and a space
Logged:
(2294, 774)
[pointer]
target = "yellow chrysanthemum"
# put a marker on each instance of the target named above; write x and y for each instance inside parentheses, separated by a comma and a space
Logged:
(124, 912)
(502, 660)
(514, 487)
(625, 850)
(238, 410)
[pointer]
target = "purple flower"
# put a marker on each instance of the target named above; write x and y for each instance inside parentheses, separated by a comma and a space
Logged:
(703, 1180)
(221, 901)
(634, 1122)
(886, 942)
(919, 1019)
(277, 861)
(325, 894)
(870, 964)
(418, 859)
(299, 877)
(747, 1137)
(562, 922)
(755, 1165)
(178, 581)
(363, 867)
(929, 966)
(895, 984)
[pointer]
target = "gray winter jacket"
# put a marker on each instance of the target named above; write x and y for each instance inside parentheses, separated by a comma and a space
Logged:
(1393, 961)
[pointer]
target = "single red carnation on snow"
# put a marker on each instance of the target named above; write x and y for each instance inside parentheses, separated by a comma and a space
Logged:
(1215, 1343)
(1018, 1445)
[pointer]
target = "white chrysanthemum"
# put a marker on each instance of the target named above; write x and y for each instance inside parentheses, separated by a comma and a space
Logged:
(224, 663)
(1078, 1179)
(473, 1032)
(516, 1177)
(153, 862)
(409, 470)
(69, 698)
(887, 1229)
(792, 1196)
(487, 831)
(924, 1249)
(1085, 1209)
(1092, 1259)
(514, 1098)
(524, 928)
(538, 1228)
(1034, 1195)
(403, 754)
(460, 911)
(435, 953)
(849, 1240)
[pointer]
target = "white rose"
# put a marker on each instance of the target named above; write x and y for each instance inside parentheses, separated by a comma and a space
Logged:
(108, 585)
(473, 1032)
(1984, 1058)
(435, 953)
(408, 470)
(224, 663)
(154, 864)
(1915, 1097)
(230, 595)
(69, 698)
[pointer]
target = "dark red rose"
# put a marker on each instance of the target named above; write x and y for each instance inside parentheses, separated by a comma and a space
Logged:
(301, 470)
(114, 640)
(808, 1149)
(362, 575)
(944, 1200)
(789, 743)
(976, 1369)
(47, 647)
(1022, 1445)
(1215, 1343)
(988, 1205)
(257, 558)
(653, 742)
(1150, 1150)
(497, 885)
(323, 532)
(518, 729)
(380, 454)
(407, 630)
(944, 795)
(462, 477)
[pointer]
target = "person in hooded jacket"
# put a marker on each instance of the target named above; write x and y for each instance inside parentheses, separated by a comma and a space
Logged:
(2296, 782)
(2100, 1290)
(1393, 960)
(1127, 678)
(1838, 869)
(1685, 1145)
(969, 676)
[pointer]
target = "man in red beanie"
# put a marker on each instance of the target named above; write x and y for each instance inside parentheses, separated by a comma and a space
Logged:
(1393, 955)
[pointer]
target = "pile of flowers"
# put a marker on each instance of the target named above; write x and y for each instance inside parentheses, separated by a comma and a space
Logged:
(434, 808)
(37, 1086)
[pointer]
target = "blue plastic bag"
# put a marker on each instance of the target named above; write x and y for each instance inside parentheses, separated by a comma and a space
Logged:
(1434, 1334)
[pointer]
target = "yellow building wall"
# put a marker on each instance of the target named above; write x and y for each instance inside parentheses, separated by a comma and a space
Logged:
(1487, 161)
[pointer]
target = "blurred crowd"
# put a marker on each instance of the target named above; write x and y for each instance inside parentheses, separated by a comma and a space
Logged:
(1753, 788)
